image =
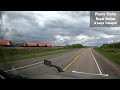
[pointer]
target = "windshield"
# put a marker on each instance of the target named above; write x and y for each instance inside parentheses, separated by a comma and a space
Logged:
(82, 44)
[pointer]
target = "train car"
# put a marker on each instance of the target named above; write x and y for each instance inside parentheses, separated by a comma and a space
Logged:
(4, 42)
(42, 44)
(31, 44)
(49, 45)
(16, 43)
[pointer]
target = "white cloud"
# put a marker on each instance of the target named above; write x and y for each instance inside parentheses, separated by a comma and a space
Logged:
(107, 36)
(81, 37)
(57, 27)
(110, 41)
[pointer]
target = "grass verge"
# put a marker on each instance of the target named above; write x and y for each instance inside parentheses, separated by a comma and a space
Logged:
(111, 54)
(13, 55)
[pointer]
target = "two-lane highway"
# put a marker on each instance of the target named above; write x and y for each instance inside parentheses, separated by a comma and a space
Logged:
(82, 63)
(85, 63)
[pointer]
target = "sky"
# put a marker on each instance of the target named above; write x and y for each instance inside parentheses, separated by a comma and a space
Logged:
(56, 27)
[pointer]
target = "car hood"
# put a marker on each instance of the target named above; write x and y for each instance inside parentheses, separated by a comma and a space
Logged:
(68, 76)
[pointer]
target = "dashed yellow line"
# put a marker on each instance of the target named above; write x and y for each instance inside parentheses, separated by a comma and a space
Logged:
(76, 58)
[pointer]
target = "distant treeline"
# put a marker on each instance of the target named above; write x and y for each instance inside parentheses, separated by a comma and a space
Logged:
(74, 46)
(111, 45)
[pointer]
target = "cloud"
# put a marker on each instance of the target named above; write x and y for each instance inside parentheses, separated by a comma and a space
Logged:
(57, 27)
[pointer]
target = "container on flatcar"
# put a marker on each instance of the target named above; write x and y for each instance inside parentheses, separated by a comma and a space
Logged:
(15, 43)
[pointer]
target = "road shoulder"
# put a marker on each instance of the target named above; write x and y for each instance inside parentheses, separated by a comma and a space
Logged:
(107, 66)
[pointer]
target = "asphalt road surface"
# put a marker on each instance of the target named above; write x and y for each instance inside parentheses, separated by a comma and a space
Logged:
(81, 63)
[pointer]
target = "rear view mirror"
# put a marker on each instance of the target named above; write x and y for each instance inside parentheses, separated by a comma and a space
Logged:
(48, 63)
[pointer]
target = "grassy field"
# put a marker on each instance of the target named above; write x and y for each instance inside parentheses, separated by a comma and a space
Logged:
(111, 53)
(12, 55)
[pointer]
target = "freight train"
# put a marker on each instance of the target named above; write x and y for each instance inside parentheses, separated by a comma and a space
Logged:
(13, 43)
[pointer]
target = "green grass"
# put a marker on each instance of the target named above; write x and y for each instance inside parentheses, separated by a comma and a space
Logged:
(13, 55)
(111, 54)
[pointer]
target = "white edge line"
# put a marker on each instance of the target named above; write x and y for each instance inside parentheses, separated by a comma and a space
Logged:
(23, 66)
(91, 73)
(96, 63)
(56, 57)
(31, 64)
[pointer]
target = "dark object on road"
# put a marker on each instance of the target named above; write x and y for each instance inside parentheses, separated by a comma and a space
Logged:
(48, 63)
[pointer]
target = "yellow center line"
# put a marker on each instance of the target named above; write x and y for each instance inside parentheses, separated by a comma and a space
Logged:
(71, 63)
